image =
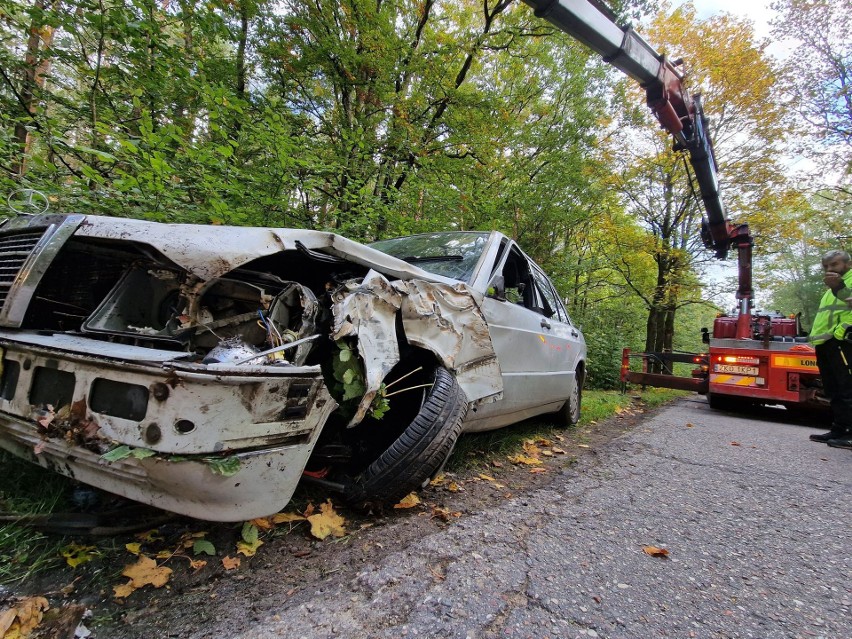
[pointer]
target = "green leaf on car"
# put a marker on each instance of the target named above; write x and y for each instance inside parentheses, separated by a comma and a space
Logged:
(124, 451)
(225, 466)
(117, 453)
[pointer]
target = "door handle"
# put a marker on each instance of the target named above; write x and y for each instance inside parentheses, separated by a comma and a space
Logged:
(545, 323)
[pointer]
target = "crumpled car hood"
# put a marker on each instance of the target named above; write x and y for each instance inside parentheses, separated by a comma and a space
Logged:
(440, 314)
(212, 251)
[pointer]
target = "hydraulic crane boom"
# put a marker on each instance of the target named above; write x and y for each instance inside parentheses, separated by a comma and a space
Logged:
(759, 359)
(676, 111)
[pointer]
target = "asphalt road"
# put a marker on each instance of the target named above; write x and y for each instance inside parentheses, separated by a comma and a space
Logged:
(755, 518)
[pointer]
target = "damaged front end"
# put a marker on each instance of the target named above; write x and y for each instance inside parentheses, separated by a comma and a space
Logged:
(193, 368)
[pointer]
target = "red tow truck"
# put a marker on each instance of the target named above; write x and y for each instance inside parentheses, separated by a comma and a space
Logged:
(753, 358)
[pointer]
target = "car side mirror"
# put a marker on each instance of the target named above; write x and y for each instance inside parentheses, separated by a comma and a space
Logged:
(497, 289)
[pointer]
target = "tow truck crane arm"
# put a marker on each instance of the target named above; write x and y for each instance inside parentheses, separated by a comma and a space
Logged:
(678, 113)
(759, 360)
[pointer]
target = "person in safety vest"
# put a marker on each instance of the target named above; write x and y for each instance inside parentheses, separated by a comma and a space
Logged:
(831, 336)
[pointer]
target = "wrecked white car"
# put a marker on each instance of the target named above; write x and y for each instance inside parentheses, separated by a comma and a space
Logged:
(206, 370)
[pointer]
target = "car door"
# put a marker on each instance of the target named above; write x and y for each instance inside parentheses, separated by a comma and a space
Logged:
(525, 342)
(564, 343)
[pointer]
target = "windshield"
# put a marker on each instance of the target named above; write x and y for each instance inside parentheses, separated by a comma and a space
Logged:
(452, 254)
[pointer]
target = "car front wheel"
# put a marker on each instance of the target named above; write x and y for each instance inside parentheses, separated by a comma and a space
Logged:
(421, 448)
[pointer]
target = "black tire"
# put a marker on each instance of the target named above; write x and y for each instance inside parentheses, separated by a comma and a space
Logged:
(727, 402)
(419, 452)
(569, 414)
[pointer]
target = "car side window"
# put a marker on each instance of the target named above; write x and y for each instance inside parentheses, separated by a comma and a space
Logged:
(548, 304)
(517, 279)
(558, 305)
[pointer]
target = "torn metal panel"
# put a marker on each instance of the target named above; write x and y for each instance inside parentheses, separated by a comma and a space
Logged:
(447, 321)
(88, 346)
(368, 312)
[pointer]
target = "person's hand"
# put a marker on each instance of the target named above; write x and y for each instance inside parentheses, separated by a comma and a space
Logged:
(832, 279)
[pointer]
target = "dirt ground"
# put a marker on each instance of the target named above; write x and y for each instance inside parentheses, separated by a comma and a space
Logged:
(291, 566)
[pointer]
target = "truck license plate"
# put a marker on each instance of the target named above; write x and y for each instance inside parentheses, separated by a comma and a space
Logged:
(736, 370)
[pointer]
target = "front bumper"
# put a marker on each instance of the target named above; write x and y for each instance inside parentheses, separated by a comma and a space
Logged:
(264, 421)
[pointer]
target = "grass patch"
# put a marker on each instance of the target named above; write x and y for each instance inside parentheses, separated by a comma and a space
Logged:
(27, 489)
(477, 450)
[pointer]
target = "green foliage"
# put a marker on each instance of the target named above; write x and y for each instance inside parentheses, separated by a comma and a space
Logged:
(348, 384)
(347, 372)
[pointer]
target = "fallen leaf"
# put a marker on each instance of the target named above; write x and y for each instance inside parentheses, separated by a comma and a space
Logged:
(524, 459)
(454, 487)
(437, 481)
(249, 549)
(443, 514)
(486, 477)
(327, 522)
(283, 518)
(230, 563)
(189, 539)
(7, 618)
(38, 449)
(547, 453)
(122, 591)
(23, 618)
(47, 417)
(263, 523)
(531, 448)
(655, 552)
(149, 536)
(538, 471)
(197, 564)
(203, 546)
(690, 425)
(75, 554)
(497, 464)
(146, 572)
(583, 445)
(409, 501)
(249, 533)
(736, 444)
(559, 451)
(134, 548)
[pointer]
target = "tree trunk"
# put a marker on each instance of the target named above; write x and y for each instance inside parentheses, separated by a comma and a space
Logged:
(35, 71)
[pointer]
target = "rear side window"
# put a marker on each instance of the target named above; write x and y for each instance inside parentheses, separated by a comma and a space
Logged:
(549, 302)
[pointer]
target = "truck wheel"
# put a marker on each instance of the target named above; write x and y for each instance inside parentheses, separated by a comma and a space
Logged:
(726, 402)
(419, 451)
(569, 414)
